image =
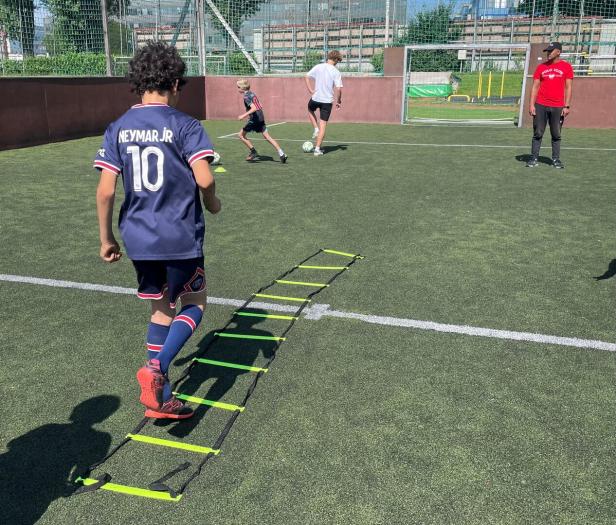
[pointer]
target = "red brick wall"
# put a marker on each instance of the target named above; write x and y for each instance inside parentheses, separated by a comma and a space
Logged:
(365, 99)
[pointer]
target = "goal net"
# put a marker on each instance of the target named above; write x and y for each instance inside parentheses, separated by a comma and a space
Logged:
(468, 84)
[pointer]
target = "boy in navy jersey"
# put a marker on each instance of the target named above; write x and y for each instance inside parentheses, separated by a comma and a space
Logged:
(163, 156)
(256, 122)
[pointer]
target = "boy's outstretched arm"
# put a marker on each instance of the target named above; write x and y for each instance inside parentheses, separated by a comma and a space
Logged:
(207, 185)
(105, 195)
(252, 109)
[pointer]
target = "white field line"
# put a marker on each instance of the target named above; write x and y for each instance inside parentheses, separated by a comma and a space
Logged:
(429, 145)
(318, 311)
(269, 126)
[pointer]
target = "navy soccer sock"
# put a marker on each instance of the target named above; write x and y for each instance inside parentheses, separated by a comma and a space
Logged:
(157, 335)
(182, 327)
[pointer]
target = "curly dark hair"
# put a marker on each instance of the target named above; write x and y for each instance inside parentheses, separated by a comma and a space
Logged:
(156, 67)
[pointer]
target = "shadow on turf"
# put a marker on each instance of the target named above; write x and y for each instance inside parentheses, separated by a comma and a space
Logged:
(526, 157)
(610, 272)
(262, 158)
(239, 351)
(331, 149)
(35, 469)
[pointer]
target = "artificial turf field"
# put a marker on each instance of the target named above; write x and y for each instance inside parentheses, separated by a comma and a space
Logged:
(356, 422)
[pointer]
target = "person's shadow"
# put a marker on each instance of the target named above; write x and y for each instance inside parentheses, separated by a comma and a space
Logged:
(526, 157)
(263, 158)
(610, 272)
(36, 467)
(331, 149)
(239, 351)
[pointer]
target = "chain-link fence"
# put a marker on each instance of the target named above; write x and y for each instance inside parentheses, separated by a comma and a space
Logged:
(87, 37)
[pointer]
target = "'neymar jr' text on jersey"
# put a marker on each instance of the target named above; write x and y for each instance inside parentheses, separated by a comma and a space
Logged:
(153, 146)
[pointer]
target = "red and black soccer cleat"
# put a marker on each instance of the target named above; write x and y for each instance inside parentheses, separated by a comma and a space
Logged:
(173, 408)
(151, 380)
(252, 155)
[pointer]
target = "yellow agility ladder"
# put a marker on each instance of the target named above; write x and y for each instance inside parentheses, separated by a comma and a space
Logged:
(159, 489)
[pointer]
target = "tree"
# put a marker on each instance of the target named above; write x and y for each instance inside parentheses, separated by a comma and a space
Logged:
(17, 21)
(432, 27)
(311, 59)
(234, 12)
(77, 25)
(605, 8)
(377, 61)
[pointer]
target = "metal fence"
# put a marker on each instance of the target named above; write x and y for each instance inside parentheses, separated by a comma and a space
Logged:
(87, 37)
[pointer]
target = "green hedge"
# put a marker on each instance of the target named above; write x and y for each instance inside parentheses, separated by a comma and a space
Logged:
(73, 64)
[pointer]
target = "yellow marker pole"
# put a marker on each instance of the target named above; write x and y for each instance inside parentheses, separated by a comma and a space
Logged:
(502, 84)
(489, 84)
(479, 84)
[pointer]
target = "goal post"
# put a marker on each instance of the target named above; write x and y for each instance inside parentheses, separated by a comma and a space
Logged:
(470, 84)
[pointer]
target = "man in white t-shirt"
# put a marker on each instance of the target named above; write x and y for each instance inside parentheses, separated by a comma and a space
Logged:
(327, 88)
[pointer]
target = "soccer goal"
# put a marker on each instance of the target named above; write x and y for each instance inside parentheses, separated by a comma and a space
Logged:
(467, 84)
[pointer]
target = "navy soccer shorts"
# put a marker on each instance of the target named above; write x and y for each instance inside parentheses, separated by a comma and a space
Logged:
(176, 277)
(257, 127)
(325, 109)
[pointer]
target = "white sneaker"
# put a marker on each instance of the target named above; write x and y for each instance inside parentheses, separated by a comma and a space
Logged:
(315, 133)
(317, 152)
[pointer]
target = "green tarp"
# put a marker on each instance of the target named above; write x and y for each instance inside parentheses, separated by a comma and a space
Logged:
(429, 90)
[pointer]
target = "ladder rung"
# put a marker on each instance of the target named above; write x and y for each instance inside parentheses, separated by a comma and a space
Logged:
(336, 252)
(248, 336)
(300, 283)
(172, 444)
(267, 316)
(133, 491)
(310, 267)
(216, 404)
(230, 365)
(281, 297)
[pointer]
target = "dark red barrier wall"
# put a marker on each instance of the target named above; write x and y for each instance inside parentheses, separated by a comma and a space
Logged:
(41, 110)
(593, 103)
(365, 99)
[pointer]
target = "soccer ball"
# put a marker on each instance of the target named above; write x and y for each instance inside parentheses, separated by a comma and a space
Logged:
(216, 158)
(307, 146)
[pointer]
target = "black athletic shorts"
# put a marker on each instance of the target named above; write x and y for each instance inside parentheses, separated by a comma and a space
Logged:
(176, 277)
(257, 127)
(325, 109)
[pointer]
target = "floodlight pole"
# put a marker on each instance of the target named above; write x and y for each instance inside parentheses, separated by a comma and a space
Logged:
(106, 37)
(387, 23)
(554, 20)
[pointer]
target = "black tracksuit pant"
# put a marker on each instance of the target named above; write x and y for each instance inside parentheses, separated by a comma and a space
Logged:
(540, 120)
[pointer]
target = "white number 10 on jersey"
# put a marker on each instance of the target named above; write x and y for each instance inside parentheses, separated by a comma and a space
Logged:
(141, 165)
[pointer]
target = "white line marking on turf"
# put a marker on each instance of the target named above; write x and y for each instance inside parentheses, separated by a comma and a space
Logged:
(429, 145)
(477, 331)
(269, 126)
(318, 311)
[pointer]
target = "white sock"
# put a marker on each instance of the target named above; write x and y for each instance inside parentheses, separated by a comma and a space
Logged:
(280, 153)
(316, 130)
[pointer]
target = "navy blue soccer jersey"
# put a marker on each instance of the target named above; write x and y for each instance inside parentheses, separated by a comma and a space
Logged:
(153, 146)
(251, 98)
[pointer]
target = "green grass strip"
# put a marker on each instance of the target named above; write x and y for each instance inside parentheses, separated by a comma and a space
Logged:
(201, 401)
(230, 365)
(300, 283)
(248, 336)
(172, 444)
(281, 297)
(267, 316)
(336, 252)
(310, 267)
(133, 491)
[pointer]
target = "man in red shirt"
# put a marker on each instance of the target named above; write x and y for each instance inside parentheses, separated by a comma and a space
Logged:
(549, 101)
